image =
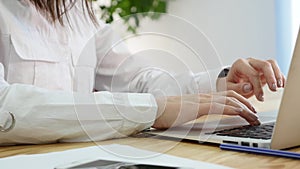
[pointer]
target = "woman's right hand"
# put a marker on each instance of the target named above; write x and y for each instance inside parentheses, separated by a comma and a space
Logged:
(176, 110)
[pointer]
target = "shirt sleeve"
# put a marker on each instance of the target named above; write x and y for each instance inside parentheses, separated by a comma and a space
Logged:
(45, 116)
(118, 71)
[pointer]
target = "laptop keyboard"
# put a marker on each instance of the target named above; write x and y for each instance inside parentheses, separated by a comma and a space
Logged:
(263, 131)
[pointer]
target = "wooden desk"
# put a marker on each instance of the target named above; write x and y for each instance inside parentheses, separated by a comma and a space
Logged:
(194, 151)
(202, 152)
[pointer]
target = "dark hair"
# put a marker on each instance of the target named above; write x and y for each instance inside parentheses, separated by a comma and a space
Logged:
(56, 9)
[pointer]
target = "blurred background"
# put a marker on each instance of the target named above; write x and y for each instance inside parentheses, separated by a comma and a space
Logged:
(199, 35)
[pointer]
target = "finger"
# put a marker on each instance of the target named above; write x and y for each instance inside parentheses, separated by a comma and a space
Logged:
(257, 87)
(244, 88)
(244, 68)
(277, 72)
(232, 101)
(232, 94)
(283, 80)
(263, 80)
(251, 118)
(266, 68)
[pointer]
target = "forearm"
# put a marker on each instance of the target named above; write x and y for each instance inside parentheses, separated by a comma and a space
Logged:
(162, 83)
(44, 116)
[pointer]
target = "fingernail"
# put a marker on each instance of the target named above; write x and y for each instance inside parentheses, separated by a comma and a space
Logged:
(260, 97)
(273, 86)
(257, 122)
(253, 109)
(247, 88)
(279, 83)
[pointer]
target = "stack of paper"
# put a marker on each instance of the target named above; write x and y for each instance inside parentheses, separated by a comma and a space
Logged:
(109, 152)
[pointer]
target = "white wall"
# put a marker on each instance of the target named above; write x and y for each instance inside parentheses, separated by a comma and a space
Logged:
(236, 28)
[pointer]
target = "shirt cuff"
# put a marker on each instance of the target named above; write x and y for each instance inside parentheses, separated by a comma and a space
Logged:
(207, 81)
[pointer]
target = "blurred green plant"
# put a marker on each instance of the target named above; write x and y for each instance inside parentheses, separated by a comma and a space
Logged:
(131, 11)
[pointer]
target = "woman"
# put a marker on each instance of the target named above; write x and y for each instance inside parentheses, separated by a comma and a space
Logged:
(55, 53)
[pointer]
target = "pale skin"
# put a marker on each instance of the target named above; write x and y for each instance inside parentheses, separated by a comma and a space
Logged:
(246, 78)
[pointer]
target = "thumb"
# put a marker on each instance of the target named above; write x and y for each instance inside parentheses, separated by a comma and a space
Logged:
(243, 88)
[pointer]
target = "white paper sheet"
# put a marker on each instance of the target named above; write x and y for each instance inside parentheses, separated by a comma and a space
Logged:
(109, 152)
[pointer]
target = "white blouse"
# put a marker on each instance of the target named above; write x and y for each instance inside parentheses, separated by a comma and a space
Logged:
(48, 74)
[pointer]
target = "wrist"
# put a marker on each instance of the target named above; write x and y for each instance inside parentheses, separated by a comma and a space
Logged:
(221, 84)
(161, 105)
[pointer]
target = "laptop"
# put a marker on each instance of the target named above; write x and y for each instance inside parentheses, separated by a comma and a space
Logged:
(279, 129)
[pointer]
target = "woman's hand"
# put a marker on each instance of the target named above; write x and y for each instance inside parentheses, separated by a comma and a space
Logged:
(176, 110)
(248, 76)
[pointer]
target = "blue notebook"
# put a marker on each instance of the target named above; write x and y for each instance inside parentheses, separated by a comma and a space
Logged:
(256, 150)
